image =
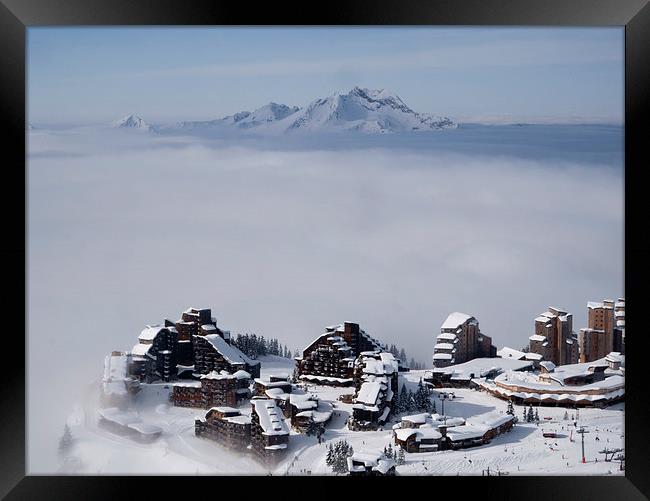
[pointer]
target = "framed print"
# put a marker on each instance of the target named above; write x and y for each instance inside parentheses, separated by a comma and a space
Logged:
(385, 241)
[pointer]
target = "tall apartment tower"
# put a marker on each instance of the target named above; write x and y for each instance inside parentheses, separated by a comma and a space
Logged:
(460, 340)
(601, 317)
(619, 329)
(554, 338)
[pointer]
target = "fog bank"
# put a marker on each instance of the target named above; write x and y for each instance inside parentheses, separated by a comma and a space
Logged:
(284, 242)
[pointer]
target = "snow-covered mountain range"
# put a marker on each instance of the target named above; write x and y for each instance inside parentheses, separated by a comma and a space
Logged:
(362, 110)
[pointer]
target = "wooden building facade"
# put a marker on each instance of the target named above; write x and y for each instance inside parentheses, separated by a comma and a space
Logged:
(227, 426)
(329, 359)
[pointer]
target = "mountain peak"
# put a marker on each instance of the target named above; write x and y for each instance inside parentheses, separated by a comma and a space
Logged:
(365, 110)
(131, 122)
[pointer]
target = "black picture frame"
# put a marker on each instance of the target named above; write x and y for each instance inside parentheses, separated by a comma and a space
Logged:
(17, 15)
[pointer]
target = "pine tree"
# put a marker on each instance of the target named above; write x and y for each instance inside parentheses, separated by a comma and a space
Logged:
(342, 450)
(525, 417)
(410, 407)
(511, 409)
(66, 440)
(329, 458)
(400, 457)
(389, 451)
(530, 417)
(401, 400)
(536, 415)
(424, 400)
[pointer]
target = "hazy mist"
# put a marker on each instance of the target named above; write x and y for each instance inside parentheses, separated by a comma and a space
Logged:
(124, 230)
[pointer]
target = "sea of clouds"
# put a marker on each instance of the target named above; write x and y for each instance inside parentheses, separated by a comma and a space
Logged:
(126, 229)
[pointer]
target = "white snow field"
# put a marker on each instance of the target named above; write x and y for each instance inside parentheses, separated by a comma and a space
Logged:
(522, 451)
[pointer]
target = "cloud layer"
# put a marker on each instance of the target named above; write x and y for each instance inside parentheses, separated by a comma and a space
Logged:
(282, 243)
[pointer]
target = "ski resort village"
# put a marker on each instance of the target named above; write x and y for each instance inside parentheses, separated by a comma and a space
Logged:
(190, 397)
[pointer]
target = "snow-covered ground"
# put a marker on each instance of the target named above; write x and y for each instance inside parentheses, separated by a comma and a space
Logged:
(522, 451)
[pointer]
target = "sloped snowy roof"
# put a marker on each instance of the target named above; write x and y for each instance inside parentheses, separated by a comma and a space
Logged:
(229, 352)
(318, 417)
(375, 461)
(481, 366)
(598, 304)
(532, 382)
(217, 375)
(421, 418)
(304, 401)
(277, 393)
(454, 320)
(492, 420)
(558, 397)
(442, 420)
(427, 433)
(271, 384)
(118, 416)
(188, 384)
(241, 374)
(536, 337)
(385, 365)
(225, 409)
(150, 332)
(548, 365)
(442, 356)
(141, 349)
(447, 336)
(466, 432)
(369, 393)
(270, 417)
(507, 352)
(145, 428)
(238, 419)
(313, 377)
(444, 346)
(615, 356)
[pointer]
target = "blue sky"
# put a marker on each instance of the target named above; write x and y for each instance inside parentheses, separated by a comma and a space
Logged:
(92, 75)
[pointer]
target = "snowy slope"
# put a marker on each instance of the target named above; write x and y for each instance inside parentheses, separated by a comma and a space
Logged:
(266, 114)
(363, 110)
(522, 451)
(131, 122)
(225, 122)
(271, 112)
